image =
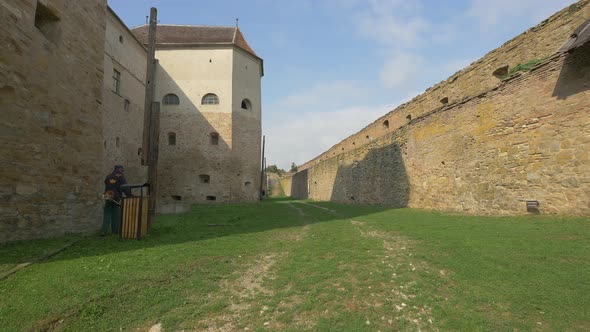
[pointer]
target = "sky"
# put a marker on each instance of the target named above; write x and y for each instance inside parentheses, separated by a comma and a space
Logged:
(331, 67)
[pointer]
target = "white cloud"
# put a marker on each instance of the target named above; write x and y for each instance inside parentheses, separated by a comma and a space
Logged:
(332, 95)
(303, 136)
(392, 22)
(401, 69)
(445, 33)
(492, 13)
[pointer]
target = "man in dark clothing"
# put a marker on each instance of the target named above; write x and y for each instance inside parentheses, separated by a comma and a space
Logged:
(113, 194)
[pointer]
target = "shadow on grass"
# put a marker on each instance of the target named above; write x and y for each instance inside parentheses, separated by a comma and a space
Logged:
(203, 222)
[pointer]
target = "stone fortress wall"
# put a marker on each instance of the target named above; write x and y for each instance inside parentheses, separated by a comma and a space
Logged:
(492, 145)
(51, 74)
(123, 109)
(540, 41)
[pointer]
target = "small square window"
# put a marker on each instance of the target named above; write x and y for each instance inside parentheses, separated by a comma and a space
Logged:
(214, 139)
(204, 178)
(171, 138)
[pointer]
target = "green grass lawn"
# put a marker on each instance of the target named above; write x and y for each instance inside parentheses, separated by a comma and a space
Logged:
(295, 265)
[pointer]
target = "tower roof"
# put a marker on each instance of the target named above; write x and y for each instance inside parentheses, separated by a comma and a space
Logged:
(194, 35)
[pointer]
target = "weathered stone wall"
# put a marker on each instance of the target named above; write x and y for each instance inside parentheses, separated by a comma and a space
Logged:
(247, 125)
(528, 138)
(192, 154)
(286, 180)
(123, 110)
(51, 104)
(540, 41)
(300, 185)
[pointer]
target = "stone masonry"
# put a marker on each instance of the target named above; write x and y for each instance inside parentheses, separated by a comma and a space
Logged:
(71, 95)
(123, 109)
(525, 138)
(540, 41)
(51, 74)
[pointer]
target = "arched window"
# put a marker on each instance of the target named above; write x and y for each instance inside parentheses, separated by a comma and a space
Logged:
(171, 99)
(171, 138)
(210, 99)
(246, 105)
(214, 139)
(386, 124)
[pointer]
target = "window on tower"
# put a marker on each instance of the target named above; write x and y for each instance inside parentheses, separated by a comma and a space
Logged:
(171, 99)
(210, 99)
(246, 105)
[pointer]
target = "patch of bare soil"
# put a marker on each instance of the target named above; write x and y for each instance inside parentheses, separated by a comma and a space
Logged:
(305, 229)
(298, 209)
(319, 207)
(156, 328)
(397, 260)
(242, 292)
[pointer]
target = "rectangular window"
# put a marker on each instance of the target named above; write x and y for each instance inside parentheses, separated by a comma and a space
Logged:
(116, 81)
(214, 139)
(126, 105)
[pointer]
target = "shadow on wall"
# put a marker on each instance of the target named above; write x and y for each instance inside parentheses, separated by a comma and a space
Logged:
(299, 185)
(191, 156)
(380, 177)
(246, 143)
(575, 73)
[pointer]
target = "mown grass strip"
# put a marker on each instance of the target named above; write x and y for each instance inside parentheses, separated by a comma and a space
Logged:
(289, 265)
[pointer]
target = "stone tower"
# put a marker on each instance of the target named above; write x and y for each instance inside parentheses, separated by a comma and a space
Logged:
(208, 82)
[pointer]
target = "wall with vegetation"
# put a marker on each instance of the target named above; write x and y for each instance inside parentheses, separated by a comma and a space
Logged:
(527, 138)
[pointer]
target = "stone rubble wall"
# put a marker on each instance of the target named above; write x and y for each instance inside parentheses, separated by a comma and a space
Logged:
(527, 138)
(51, 102)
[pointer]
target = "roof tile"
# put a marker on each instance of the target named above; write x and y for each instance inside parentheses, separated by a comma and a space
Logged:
(190, 34)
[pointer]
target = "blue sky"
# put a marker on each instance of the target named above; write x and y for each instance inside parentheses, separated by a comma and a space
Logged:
(334, 66)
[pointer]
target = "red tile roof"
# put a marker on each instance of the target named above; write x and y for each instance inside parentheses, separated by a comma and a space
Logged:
(195, 35)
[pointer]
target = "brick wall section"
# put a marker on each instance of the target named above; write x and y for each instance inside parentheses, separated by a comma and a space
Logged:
(527, 138)
(51, 133)
(540, 41)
